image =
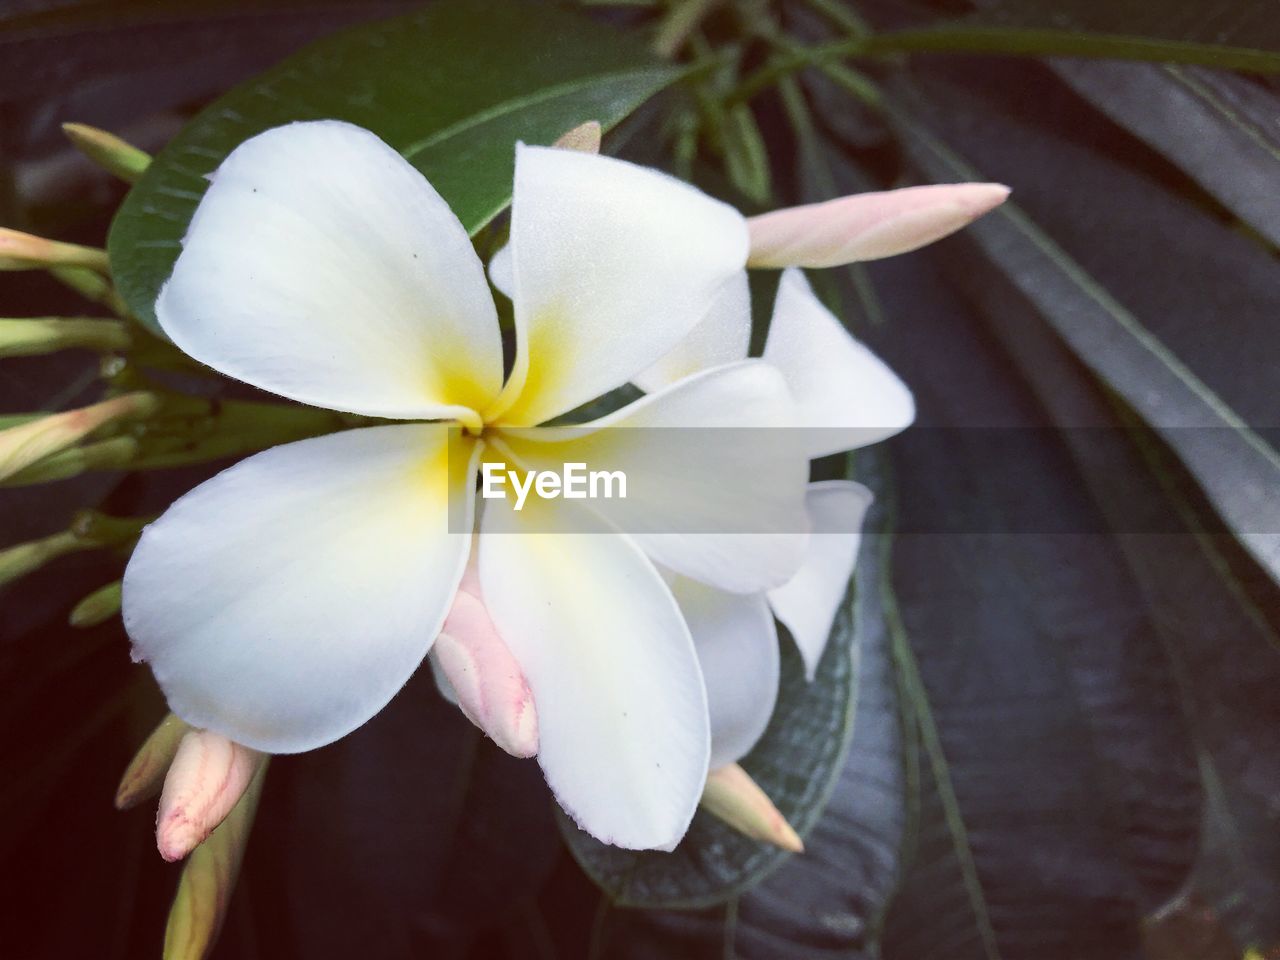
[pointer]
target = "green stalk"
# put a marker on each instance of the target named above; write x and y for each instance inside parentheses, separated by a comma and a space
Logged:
(34, 336)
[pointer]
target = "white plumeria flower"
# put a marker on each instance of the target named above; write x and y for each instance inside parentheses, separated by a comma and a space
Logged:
(283, 602)
(848, 399)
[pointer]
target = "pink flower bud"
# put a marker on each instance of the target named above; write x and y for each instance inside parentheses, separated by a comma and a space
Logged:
(208, 880)
(25, 251)
(489, 684)
(735, 798)
(34, 440)
(208, 775)
(867, 226)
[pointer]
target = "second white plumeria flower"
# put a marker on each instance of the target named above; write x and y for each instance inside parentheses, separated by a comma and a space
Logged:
(285, 601)
(848, 398)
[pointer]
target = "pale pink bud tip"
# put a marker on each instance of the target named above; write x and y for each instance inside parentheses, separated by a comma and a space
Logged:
(208, 775)
(25, 251)
(490, 686)
(868, 226)
(30, 442)
(735, 798)
(584, 138)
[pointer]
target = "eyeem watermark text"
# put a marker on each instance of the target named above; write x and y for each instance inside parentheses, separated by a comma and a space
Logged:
(573, 482)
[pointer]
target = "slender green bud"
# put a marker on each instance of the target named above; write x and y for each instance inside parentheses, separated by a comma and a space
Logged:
(101, 530)
(34, 336)
(8, 420)
(25, 251)
(735, 798)
(98, 607)
(113, 454)
(145, 775)
(18, 561)
(91, 286)
(108, 151)
(89, 530)
(31, 442)
(208, 879)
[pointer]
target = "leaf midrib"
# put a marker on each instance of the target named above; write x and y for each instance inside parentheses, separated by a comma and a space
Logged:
(515, 104)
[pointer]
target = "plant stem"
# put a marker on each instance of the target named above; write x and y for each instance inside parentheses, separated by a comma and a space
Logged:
(89, 530)
(91, 286)
(1024, 42)
(842, 16)
(796, 57)
(113, 454)
(34, 336)
(679, 24)
(802, 122)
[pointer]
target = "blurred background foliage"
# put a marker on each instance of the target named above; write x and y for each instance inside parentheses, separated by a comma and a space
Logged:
(1063, 740)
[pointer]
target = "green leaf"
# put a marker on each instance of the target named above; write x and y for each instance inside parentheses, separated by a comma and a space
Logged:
(452, 88)
(797, 762)
(746, 160)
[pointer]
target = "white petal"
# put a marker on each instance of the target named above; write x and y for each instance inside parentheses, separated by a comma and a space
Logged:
(285, 601)
(721, 337)
(614, 264)
(808, 603)
(322, 267)
(622, 712)
(848, 397)
(500, 271)
(737, 643)
(715, 477)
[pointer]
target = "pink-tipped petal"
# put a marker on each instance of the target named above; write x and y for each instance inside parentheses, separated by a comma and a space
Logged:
(208, 776)
(868, 226)
(489, 685)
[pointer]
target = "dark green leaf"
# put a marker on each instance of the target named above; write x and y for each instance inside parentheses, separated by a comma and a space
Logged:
(452, 88)
(1057, 800)
(1217, 127)
(1206, 404)
(1213, 610)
